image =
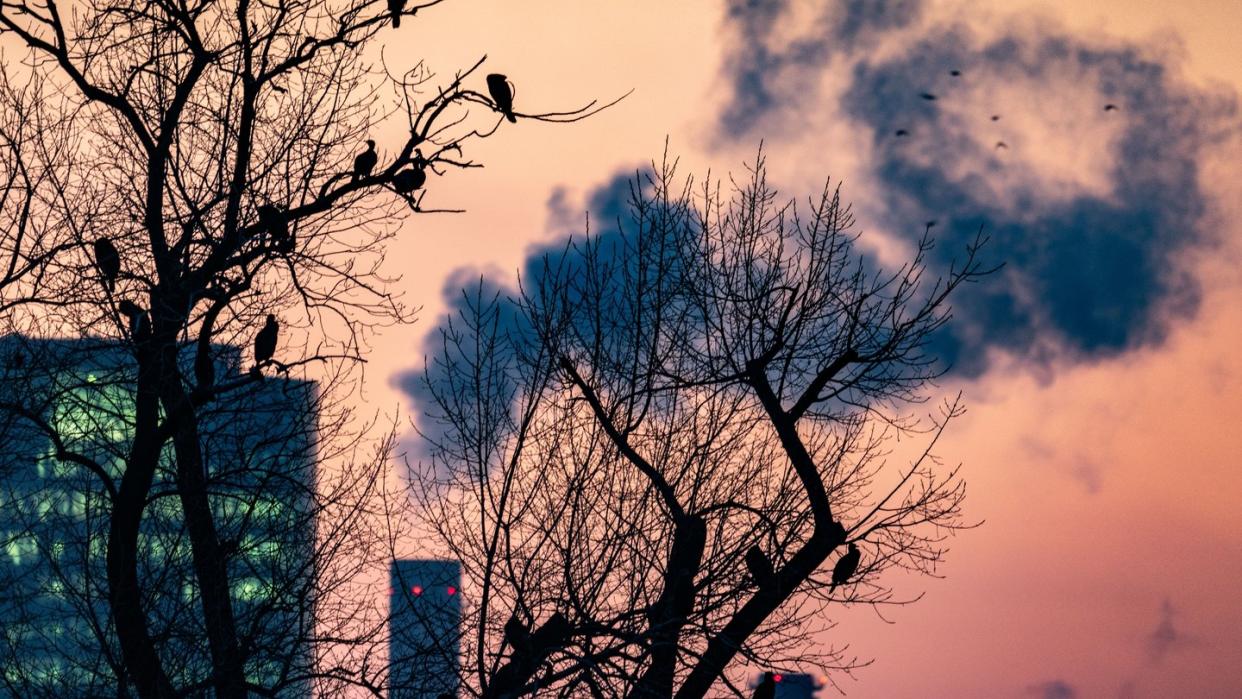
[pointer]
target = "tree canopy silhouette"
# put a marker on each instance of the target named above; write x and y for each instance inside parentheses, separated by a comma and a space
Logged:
(215, 143)
(665, 434)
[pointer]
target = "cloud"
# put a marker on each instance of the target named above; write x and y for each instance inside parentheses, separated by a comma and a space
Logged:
(1092, 211)
(1054, 689)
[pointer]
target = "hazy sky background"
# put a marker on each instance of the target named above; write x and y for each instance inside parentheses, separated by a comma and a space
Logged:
(1100, 369)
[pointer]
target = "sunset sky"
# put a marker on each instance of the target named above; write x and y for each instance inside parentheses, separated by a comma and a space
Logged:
(1100, 367)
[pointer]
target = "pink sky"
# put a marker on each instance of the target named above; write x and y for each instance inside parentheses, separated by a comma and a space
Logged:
(1112, 549)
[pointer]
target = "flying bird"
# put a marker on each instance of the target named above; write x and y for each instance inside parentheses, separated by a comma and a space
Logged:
(928, 96)
(995, 117)
(502, 94)
(1111, 107)
(766, 689)
(901, 132)
(846, 566)
(366, 160)
(1001, 144)
(265, 342)
(759, 566)
(955, 73)
(395, 7)
(408, 180)
(108, 259)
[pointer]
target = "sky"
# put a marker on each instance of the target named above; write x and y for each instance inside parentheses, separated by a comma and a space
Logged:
(1099, 366)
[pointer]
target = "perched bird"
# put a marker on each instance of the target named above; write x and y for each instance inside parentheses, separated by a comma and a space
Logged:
(366, 160)
(17, 360)
(276, 225)
(516, 633)
(759, 566)
(408, 180)
(955, 73)
(204, 368)
(846, 566)
(395, 7)
(1111, 108)
(766, 689)
(931, 223)
(109, 262)
(552, 634)
(928, 96)
(502, 94)
(139, 323)
(1001, 144)
(901, 132)
(265, 342)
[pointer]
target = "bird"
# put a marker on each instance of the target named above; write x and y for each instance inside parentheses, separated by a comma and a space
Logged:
(395, 7)
(408, 180)
(955, 73)
(276, 225)
(502, 95)
(516, 633)
(928, 96)
(1111, 107)
(17, 360)
(931, 223)
(366, 160)
(108, 259)
(204, 368)
(846, 566)
(265, 342)
(995, 117)
(901, 132)
(139, 323)
(1001, 144)
(759, 566)
(766, 689)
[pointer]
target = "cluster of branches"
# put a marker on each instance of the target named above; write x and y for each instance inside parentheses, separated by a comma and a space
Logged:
(648, 457)
(211, 146)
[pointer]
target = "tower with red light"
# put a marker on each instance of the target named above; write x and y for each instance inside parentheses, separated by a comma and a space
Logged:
(794, 685)
(424, 628)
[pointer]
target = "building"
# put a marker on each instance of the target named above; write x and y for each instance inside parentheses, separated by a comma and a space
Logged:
(63, 402)
(424, 625)
(794, 685)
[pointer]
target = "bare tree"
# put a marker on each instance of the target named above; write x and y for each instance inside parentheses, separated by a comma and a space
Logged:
(176, 172)
(647, 458)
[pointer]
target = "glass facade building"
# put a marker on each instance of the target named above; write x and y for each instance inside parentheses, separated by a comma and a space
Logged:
(424, 626)
(66, 424)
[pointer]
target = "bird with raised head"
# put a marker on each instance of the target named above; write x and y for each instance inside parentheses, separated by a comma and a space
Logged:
(108, 260)
(139, 323)
(846, 566)
(760, 567)
(502, 94)
(365, 161)
(275, 224)
(766, 689)
(395, 7)
(265, 342)
(516, 633)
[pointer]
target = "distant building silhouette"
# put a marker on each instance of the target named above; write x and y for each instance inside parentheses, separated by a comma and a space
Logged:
(793, 685)
(425, 619)
(56, 633)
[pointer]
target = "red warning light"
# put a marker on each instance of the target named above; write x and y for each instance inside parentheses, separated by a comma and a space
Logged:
(417, 590)
(451, 590)
(777, 678)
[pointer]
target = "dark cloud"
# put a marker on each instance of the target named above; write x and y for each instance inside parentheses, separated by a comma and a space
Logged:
(470, 293)
(1054, 689)
(767, 74)
(1088, 273)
